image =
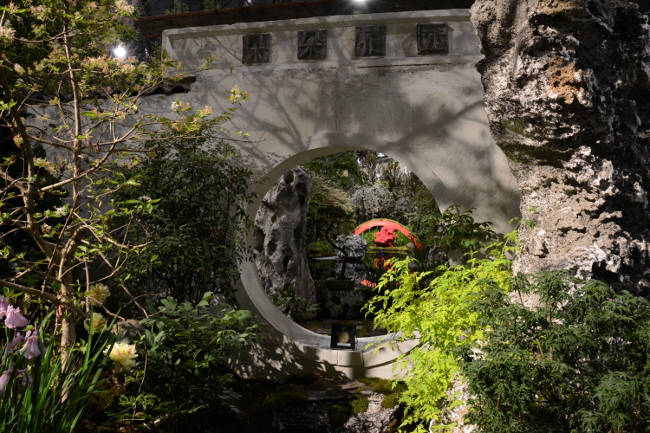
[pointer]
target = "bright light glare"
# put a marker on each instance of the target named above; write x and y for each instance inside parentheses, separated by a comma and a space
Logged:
(120, 52)
(359, 1)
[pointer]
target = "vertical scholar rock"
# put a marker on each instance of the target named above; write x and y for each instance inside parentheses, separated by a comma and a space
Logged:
(279, 238)
(567, 91)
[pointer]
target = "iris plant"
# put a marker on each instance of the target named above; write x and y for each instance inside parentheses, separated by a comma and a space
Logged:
(29, 340)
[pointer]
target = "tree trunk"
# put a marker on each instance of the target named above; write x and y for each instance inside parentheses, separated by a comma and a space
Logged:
(567, 91)
(68, 320)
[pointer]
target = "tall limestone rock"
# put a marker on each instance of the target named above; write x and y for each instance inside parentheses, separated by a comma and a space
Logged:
(279, 240)
(567, 91)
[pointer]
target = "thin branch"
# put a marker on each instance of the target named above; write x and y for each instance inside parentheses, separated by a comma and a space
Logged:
(83, 174)
(43, 295)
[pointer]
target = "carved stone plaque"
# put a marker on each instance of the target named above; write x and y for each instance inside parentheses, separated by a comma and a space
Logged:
(433, 39)
(257, 49)
(312, 44)
(370, 41)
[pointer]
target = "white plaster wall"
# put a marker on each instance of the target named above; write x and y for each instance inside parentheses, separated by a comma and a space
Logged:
(425, 111)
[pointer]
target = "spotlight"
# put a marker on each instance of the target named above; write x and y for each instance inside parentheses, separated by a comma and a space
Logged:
(119, 52)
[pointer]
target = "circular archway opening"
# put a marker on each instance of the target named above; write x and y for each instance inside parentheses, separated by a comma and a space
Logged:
(326, 229)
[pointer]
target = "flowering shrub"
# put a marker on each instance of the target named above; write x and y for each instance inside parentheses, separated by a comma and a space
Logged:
(50, 154)
(385, 237)
(98, 293)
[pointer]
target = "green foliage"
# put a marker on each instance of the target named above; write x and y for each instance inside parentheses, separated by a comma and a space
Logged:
(184, 376)
(196, 231)
(72, 112)
(328, 206)
(320, 248)
(333, 176)
(21, 243)
(281, 399)
(50, 396)
(178, 7)
(577, 362)
(454, 230)
(288, 301)
(340, 170)
(434, 307)
(339, 414)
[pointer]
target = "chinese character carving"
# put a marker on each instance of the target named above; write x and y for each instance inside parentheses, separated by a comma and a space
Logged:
(370, 41)
(312, 44)
(257, 49)
(433, 39)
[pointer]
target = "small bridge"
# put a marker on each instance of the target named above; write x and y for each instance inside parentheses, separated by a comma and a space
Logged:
(401, 83)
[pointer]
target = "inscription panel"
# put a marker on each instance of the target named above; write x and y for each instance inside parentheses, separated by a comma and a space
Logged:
(257, 49)
(370, 41)
(433, 38)
(312, 44)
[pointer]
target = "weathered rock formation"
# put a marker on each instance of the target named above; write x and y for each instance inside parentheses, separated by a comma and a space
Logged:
(343, 305)
(355, 247)
(567, 91)
(279, 239)
(375, 419)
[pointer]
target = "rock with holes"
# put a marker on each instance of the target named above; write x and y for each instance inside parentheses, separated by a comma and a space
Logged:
(567, 92)
(279, 241)
(355, 247)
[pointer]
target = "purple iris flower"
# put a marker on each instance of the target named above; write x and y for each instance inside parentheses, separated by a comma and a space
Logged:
(14, 318)
(11, 347)
(28, 382)
(4, 379)
(31, 349)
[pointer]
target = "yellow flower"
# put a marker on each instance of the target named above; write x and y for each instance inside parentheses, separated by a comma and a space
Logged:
(124, 353)
(97, 321)
(98, 293)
